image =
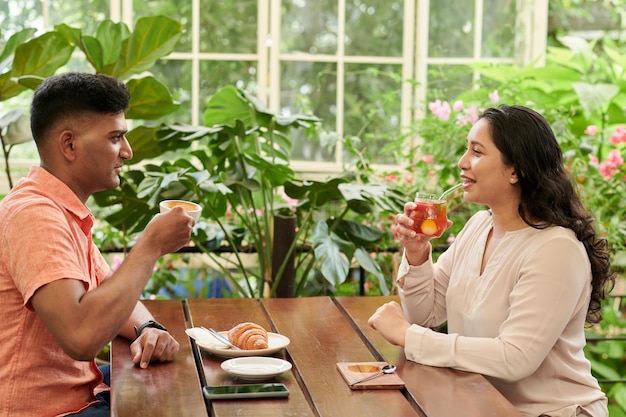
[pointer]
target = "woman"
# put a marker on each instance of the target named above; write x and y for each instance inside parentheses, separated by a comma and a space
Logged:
(520, 280)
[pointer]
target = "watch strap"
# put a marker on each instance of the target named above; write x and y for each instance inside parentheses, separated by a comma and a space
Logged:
(150, 323)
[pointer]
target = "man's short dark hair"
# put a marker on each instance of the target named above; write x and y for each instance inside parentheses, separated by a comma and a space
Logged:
(73, 94)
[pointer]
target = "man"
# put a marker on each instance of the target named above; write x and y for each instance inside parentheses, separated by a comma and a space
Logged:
(57, 309)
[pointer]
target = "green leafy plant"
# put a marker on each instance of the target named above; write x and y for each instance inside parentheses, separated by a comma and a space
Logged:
(24, 61)
(114, 50)
(127, 55)
(237, 168)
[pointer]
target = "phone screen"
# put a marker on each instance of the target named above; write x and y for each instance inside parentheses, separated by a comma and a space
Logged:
(245, 391)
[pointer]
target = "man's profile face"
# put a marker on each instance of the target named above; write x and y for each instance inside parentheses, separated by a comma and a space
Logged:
(101, 149)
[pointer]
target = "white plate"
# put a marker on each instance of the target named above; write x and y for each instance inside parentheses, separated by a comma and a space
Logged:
(255, 368)
(209, 343)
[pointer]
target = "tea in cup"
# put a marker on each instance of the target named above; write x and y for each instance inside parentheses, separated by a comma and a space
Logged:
(191, 208)
(429, 215)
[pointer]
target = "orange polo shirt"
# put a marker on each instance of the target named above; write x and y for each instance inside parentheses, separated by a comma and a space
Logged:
(45, 236)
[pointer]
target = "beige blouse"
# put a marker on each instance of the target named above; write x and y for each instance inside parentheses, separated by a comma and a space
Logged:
(520, 323)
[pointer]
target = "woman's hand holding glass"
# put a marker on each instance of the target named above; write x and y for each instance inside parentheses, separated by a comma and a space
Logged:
(416, 244)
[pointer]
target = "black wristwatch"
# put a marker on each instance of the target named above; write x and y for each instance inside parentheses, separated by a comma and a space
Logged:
(149, 323)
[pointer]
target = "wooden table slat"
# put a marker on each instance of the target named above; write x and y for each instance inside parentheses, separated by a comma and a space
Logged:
(223, 314)
(440, 392)
(163, 389)
(320, 338)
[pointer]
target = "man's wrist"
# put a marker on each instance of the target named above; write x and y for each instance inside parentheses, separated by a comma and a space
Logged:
(150, 323)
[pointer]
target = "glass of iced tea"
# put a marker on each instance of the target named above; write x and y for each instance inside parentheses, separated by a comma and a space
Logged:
(429, 215)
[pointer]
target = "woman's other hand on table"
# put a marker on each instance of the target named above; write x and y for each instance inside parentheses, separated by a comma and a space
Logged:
(390, 322)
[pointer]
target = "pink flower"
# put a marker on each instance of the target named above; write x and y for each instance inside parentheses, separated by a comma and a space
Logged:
(610, 167)
(591, 130)
(428, 158)
(390, 178)
(619, 136)
(291, 202)
(470, 115)
(457, 106)
(117, 261)
(494, 97)
(440, 109)
(615, 158)
(593, 160)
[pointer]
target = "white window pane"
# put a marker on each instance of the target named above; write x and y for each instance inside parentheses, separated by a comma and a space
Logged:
(228, 27)
(83, 14)
(16, 15)
(309, 26)
(451, 28)
(312, 87)
(374, 27)
(176, 75)
(177, 10)
(446, 82)
(372, 106)
(499, 29)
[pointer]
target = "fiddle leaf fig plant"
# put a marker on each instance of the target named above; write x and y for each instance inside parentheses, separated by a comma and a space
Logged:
(117, 51)
(25, 61)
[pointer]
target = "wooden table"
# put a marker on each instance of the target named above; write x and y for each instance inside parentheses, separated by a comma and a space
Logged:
(162, 389)
(323, 332)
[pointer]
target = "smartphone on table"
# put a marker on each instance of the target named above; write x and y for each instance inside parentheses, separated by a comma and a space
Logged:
(236, 392)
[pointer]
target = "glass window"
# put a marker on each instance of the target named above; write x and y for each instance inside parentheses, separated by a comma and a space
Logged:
(347, 61)
(310, 86)
(83, 14)
(16, 15)
(374, 27)
(498, 36)
(228, 26)
(216, 74)
(372, 106)
(309, 26)
(176, 75)
(451, 28)
(448, 81)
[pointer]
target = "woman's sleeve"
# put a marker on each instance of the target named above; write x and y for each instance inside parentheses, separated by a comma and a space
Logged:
(422, 289)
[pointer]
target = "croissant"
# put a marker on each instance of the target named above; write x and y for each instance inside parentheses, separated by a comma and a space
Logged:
(248, 336)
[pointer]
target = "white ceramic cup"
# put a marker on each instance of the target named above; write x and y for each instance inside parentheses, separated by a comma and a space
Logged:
(191, 208)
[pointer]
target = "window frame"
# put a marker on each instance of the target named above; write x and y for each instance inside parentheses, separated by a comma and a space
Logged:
(532, 22)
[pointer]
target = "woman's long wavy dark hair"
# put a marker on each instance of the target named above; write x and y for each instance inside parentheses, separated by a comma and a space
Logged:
(548, 196)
